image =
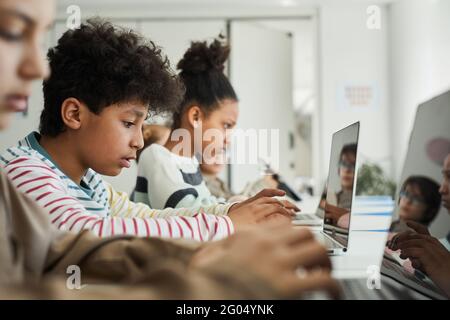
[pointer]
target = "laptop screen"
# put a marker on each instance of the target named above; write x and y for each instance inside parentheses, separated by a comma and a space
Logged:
(341, 183)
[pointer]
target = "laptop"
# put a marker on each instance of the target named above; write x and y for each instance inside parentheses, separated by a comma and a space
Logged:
(311, 218)
(340, 190)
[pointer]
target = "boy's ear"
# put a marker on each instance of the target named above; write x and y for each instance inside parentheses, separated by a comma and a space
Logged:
(195, 116)
(71, 113)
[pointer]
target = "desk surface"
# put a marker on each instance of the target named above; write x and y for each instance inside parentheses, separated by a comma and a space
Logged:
(369, 225)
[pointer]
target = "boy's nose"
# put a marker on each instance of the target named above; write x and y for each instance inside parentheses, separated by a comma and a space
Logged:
(138, 141)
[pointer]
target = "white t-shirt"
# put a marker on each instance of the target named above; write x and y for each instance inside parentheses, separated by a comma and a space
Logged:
(167, 180)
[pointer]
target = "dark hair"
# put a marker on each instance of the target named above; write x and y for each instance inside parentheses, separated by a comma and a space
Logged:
(101, 64)
(348, 148)
(430, 193)
(202, 74)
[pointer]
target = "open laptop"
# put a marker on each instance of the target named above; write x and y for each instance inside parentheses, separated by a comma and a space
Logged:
(395, 284)
(340, 190)
(310, 218)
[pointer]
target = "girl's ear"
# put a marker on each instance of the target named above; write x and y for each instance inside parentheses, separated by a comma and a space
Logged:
(195, 116)
(72, 111)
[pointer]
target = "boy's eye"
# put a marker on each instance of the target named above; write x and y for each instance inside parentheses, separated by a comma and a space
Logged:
(128, 124)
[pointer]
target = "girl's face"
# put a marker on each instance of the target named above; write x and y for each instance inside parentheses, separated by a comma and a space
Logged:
(213, 169)
(412, 205)
(216, 131)
(23, 25)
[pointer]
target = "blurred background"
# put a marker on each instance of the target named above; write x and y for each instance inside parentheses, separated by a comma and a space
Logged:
(307, 68)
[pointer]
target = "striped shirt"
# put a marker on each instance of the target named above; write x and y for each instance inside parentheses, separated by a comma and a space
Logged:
(96, 206)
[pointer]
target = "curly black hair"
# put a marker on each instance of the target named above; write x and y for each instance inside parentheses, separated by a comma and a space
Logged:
(201, 70)
(101, 64)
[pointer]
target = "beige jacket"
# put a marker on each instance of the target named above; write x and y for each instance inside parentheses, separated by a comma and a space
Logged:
(34, 257)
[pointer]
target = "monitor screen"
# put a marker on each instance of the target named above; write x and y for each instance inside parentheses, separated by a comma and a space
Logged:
(341, 183)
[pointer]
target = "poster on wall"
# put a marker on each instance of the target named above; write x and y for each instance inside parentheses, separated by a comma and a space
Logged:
(357, 97)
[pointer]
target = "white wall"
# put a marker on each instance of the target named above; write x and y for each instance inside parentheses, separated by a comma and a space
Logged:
(304, 81)
(261, 74)
(419, 63)
(352, 54)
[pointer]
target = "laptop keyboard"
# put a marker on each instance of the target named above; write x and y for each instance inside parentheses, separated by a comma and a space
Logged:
(306, 216)
(356, 289)
(392, 270)
(391, 289)
(327, 242)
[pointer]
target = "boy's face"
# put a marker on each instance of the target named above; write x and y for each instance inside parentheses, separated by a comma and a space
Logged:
(23, 25)
(109, 141)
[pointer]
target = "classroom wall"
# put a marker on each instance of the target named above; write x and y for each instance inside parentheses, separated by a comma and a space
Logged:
(419, 64)
(353, 55)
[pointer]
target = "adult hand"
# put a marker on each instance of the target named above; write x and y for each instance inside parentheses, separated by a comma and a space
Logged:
(274, 253)
(263, 207)
(426, 253)
(333, 213)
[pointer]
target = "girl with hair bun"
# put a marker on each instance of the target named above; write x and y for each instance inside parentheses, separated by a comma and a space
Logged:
(170, 175)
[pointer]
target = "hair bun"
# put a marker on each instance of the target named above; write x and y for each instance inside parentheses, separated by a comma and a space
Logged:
(201, 58)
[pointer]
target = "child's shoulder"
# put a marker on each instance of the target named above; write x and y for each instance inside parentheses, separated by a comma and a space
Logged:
(155, 152)
(20, 154)
(93, 178)
(23, 162)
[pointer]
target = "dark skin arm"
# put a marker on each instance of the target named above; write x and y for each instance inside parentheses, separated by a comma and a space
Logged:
(274, 252)
(426, 253)
(262, 208)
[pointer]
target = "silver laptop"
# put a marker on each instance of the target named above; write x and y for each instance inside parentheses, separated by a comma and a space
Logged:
(311, 218)
(340, 190)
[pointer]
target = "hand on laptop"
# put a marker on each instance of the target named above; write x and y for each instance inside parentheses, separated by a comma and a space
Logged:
(273, 253)
(261, 208)
(426, 253)
(333, 213)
